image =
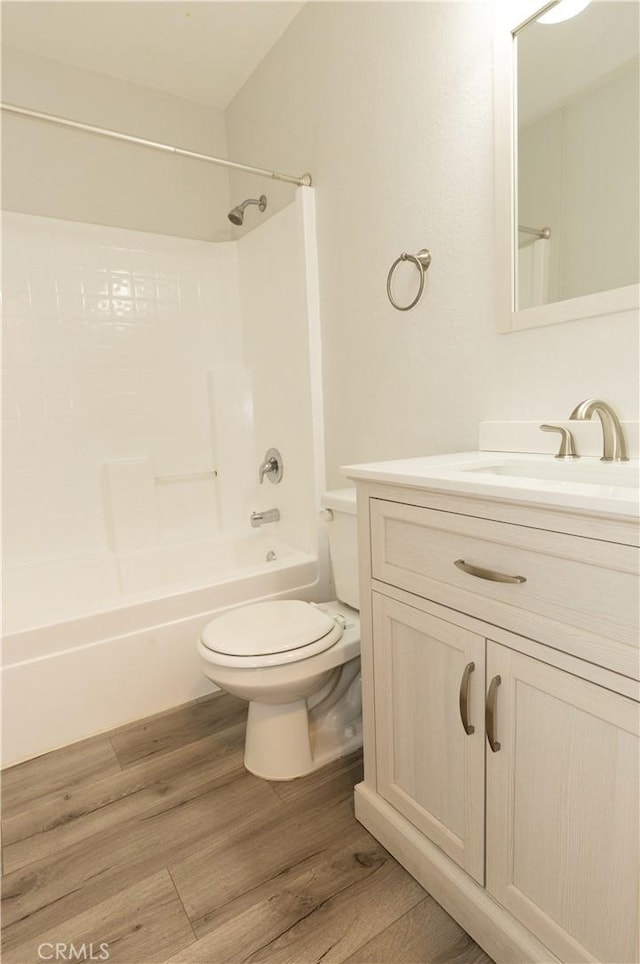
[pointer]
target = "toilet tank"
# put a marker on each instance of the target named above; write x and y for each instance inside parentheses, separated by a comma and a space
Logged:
(342, 525)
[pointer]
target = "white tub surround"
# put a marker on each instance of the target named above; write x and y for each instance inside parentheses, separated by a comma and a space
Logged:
(499, 603)
(109, 337)
(138, 401)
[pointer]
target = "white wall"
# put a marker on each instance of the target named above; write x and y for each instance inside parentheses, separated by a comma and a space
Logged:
(61, 173)
(389, 105)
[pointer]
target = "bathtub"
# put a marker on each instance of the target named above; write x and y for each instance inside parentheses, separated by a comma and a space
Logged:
(122, 650)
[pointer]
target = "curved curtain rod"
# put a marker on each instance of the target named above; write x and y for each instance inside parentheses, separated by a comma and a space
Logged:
(303, 181)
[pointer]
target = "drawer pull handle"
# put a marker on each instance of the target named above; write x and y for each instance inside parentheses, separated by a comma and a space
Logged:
(490, 714)
(469, 728)
(489, 574)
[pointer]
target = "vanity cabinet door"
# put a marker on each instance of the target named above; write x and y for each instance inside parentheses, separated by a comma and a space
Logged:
(562, 809)
(429, 673)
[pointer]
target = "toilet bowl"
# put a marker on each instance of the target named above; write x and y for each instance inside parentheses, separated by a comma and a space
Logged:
(305, 706)
(297, 663)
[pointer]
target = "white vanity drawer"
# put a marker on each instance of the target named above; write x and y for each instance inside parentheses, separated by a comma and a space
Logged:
(576, 594)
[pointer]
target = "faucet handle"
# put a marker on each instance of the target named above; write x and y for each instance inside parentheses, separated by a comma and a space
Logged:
(272, 466)
(567, 448)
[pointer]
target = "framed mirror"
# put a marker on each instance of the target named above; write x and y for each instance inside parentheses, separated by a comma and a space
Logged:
(567, 156)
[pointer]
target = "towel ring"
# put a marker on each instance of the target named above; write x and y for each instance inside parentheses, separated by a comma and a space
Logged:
(422, 260)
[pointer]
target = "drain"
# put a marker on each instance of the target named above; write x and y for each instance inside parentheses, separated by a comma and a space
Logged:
(270, 556)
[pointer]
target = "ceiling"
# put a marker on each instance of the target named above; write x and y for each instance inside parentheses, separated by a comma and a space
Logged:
(202, 51)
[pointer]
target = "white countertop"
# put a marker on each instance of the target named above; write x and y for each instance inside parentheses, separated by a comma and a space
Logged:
(567, 484)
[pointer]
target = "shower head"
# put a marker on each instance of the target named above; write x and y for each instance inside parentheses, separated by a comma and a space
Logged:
(236, 215)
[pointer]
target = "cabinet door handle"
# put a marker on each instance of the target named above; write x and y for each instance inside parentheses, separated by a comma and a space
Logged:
(490, 713)
(469, 728)
(490, 574)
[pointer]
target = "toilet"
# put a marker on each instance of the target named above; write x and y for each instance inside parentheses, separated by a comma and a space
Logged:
(297, 663)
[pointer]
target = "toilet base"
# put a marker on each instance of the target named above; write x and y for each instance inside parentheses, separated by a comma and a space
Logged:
(287, 741)
(277, 745)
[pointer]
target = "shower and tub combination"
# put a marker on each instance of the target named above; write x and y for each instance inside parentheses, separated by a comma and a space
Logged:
(138, 406)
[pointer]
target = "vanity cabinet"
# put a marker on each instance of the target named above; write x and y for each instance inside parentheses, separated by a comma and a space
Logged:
(502, 719)
(562, 809)
(428, 768)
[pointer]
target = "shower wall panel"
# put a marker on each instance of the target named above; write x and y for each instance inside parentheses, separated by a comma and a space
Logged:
(144, 378)
(109, 336)
(280, 317)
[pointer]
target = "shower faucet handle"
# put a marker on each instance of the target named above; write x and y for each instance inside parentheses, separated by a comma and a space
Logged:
(272, 466)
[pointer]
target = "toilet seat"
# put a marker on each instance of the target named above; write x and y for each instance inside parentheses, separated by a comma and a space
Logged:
(270, 633)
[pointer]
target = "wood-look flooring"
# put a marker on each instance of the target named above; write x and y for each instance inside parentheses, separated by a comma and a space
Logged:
(156, 841)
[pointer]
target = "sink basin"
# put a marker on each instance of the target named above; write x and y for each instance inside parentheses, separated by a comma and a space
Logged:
(585, 484)
(586, 473)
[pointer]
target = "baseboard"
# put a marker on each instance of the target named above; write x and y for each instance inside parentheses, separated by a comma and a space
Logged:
(492, 927)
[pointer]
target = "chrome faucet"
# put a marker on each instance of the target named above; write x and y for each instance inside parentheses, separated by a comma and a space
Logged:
(272, 466)
(614, 446)
(258, 519)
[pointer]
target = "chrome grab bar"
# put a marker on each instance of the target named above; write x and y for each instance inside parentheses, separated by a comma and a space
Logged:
(489, 574)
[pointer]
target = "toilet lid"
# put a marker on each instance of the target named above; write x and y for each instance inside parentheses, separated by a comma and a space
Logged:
(270, 628)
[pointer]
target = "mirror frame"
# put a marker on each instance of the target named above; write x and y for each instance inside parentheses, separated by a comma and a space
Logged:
(510, 18)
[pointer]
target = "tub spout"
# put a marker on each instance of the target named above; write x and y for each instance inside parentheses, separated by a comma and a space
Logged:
(258, 519)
